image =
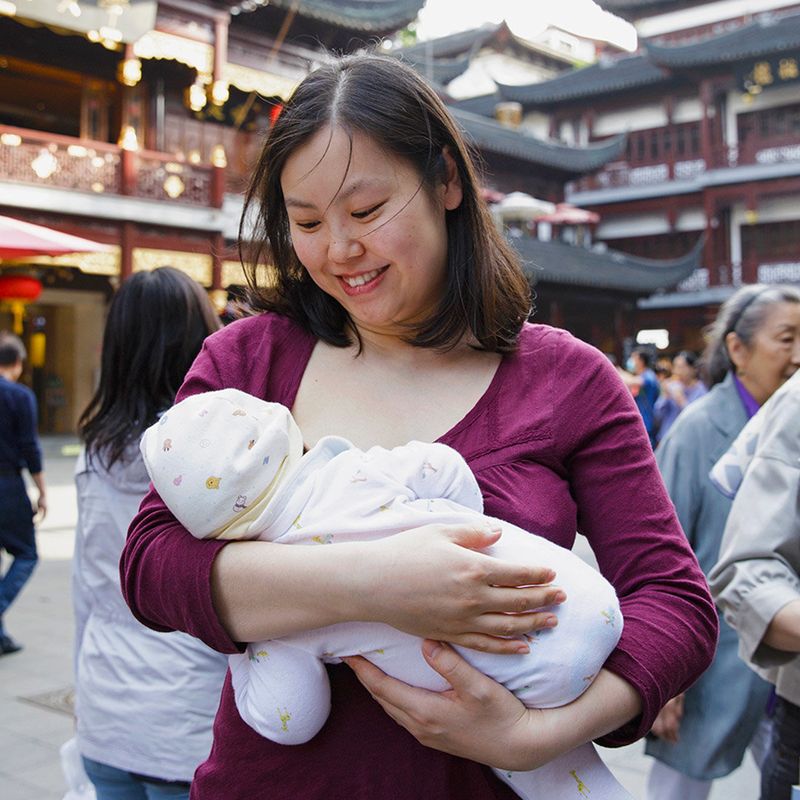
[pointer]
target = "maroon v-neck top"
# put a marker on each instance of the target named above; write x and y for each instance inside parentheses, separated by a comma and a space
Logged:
(557, 445)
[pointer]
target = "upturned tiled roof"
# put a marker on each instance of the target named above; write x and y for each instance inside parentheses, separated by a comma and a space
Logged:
(369, 16)
(491, 136)
(630, 72)
(482, 105)
(439, 71)
(455, 44)
(767, 35)
(634, 8)
(556, 262)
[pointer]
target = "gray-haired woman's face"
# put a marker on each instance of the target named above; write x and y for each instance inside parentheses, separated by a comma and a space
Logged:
(773, 355)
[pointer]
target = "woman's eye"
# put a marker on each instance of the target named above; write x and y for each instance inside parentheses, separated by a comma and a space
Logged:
(307, 226)
(367, 212)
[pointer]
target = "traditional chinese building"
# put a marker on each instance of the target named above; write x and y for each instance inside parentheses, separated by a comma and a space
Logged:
(134, 123)
(710, 106)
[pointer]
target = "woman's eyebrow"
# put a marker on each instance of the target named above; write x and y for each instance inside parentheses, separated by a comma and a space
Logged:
(353, 188)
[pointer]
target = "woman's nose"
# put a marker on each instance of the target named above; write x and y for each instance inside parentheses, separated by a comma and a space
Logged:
(344, 248)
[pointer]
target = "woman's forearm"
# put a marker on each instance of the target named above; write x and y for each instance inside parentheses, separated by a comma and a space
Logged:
(608, 704)
(428, 581)
(262, 590)
(783, 633)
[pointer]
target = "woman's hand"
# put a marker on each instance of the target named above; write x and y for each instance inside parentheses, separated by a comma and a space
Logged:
(668, 722)
(430, 582)
(477, 719)
(480, 720)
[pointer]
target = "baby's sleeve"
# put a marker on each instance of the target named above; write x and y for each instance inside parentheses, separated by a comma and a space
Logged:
(434, 471)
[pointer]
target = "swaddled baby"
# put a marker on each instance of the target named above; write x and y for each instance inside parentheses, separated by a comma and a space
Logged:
(231, 466)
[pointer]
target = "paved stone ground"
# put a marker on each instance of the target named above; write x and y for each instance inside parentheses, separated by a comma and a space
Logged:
(36, 684)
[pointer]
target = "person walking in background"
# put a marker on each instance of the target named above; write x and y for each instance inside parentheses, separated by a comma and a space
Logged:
(395, 311)
(756, 581)
(703, 734)
(19, 449)
(144, 701)
(639, 377)
(678, 391)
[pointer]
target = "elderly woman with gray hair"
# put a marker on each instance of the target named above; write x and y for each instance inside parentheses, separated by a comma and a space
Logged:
(703, 734)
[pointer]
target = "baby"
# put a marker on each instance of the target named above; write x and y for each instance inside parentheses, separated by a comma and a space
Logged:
(231, 466)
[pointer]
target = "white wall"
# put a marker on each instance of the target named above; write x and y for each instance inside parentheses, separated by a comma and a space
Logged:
(489, 66)
(630, 119)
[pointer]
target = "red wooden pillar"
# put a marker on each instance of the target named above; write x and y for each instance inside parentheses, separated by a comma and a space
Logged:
(706, 138)
(217, 251)
(127, 234)
(669, 111)
(709, 247)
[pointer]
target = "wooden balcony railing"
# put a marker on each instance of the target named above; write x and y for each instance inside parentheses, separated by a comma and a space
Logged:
(46, 159)
(756, 151)
(737, 274)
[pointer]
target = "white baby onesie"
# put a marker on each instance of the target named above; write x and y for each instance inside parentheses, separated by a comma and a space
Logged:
(205, 456)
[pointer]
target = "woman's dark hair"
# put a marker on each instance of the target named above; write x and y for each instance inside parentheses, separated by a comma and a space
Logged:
(486, 291)
(690, 357)
(743, 314)
(155, 328)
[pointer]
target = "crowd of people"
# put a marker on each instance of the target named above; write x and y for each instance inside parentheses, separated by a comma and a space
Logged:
(397, 314)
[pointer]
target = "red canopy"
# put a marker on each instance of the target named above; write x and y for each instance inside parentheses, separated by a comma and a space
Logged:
(566, 214)
(19, 239)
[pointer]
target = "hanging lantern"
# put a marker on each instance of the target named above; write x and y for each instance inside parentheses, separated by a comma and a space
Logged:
(129, 71)
(18, 291)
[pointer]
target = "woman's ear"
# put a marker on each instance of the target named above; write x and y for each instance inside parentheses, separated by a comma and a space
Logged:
(453, 191)
(737, 352)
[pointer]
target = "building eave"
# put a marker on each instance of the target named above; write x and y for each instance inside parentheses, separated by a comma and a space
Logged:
(368, 16)
(629, 72)
(570, 265)
(768, 34)
(493, 137)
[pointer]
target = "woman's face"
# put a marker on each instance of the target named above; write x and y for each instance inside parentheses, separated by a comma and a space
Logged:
(774, 352)
(682, 370)
(367, 230)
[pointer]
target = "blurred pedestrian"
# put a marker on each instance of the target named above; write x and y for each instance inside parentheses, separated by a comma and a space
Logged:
(19, 449)
(757, 579)
(702, 734)
(395, 311)
(145, 701)
(678, 390)
(640, 378)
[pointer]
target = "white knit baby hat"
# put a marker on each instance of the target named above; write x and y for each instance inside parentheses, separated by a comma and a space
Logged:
(213, 456)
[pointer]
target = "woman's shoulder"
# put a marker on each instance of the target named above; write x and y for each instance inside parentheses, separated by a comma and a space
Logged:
(262, 355)
(255, 328)
(535, 337)
(560, 356)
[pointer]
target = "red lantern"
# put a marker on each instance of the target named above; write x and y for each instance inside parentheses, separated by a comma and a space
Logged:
(19, 287)
(18, 291)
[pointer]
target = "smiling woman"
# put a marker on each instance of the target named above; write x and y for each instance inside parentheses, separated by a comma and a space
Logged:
(366, 171)
(398, 315)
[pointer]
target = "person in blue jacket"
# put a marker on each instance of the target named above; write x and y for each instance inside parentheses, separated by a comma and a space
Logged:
(19, 449)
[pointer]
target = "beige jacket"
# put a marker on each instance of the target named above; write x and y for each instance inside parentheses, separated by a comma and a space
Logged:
(758, 571)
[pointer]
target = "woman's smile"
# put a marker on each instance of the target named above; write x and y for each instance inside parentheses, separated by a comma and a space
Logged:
(363, 282)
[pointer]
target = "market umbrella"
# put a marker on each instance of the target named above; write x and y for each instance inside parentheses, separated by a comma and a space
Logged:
(519, 205)
(19, 239)
(566, 214)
